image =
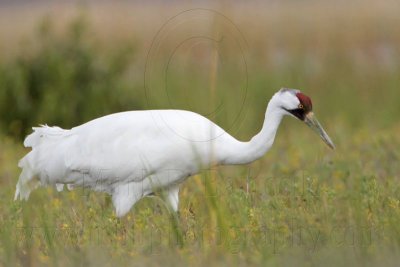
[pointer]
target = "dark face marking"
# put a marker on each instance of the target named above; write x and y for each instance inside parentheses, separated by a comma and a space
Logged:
(298, 113)
(304, 107)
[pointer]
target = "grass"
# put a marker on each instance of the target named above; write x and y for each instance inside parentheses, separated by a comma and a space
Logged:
(301, 204)
(299, 201)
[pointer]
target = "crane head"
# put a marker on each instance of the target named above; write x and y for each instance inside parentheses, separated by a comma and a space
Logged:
(298, 105)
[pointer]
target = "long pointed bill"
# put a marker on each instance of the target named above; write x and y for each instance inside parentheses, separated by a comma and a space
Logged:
(313, 123)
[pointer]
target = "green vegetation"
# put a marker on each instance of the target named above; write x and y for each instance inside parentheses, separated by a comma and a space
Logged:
(300, 205)
(66, 81)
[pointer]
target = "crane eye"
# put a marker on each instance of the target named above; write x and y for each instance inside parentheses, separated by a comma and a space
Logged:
(301, 106)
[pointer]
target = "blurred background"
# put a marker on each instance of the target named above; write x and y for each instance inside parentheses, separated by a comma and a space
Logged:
(66, 62)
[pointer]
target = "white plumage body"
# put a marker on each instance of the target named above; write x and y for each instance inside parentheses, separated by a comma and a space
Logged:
(124, 154)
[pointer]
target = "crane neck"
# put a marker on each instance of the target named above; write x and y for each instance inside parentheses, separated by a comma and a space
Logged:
(246, 152)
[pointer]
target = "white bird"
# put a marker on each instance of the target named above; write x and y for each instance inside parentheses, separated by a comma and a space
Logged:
(131, 154)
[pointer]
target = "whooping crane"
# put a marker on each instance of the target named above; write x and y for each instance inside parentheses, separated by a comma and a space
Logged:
(131, 154)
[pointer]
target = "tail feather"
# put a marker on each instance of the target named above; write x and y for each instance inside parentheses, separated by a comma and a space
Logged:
(29, 180)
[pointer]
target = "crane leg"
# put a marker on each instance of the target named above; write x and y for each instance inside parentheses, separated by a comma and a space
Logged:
(124, 197)
(172, 197)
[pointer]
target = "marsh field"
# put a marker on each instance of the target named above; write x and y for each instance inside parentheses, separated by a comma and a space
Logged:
(302, 204)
